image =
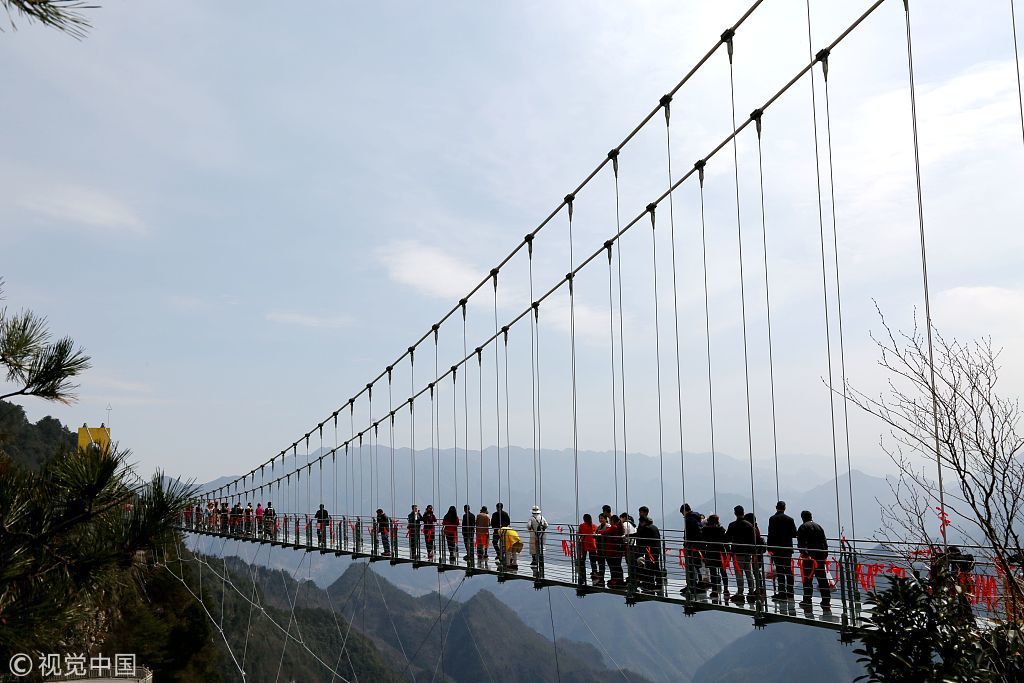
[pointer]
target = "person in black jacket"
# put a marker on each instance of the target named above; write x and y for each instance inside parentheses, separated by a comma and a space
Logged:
(810, 539)
(781, 532)
(648, 545)
(499, 520)
(714, 551)
(743, 539)
(692, 534)
(323, 519)
(468, 532)
(413, 522)
(384, 531)
(758, 556)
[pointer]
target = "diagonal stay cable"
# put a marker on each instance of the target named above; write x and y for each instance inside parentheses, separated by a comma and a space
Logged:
(287, 633)
(432, 625)
(344, 641)
(394, 628)
(599, 642)
(202, 604)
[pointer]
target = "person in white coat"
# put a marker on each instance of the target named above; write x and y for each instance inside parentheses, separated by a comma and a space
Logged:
(536, 525)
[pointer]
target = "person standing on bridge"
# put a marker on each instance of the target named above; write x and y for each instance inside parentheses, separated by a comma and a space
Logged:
(259, 520)
(383, 530)
(743, 539)
(648, 547)
(586, 545)
(450, 526)
(781, 532)
(413, 530)
(270, 519)
(713, 535)
(429, 524)
(468, 533)
(483, 523)
(499, 520)
(536, 525)
(758, 555)
(810, 539)
(323, 518)
(614, 549)
(692, 533)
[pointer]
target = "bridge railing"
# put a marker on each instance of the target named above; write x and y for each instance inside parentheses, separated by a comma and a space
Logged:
(661, 566)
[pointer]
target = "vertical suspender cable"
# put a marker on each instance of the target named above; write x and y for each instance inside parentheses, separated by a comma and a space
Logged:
(622, 337)
(1016, 63)
(497, 386)
(480, 414)
(611, 338)
(508, 432)
(435, 441)
(824, 274)
(540, 443)
(412, 420)
(334, 462)
(675, 292)
(455, 433)
(739, 238)
(924, 267)
(822, 56)
(572, 343)
(657, 357)
(533, 371)
(707, 336)
(465, 396)
(767, 298)
(391, 434)
(839, 301)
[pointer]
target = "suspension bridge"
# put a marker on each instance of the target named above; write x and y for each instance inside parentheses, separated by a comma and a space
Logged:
(352, 464)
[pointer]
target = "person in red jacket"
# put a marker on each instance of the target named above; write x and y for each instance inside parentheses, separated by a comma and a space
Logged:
(587, 545)
(614, 550)
(429, 521)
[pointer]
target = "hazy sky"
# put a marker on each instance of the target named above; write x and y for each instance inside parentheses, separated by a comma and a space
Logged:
(243, 216)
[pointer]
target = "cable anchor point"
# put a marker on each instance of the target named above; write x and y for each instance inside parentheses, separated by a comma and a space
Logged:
(536, 310)
(700, 170)
(651, 208)
(494, 277)
(666, 104)
(529, 244)
(608, 247)
(569, 199)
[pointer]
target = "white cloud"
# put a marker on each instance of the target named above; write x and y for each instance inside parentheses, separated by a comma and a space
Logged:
(429, 270)
(84, 206)
(308, 320)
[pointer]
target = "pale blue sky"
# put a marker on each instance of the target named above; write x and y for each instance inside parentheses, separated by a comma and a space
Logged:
(243, 215)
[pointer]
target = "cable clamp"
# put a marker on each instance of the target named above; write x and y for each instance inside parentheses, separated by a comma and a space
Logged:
(700, 170)
(455, 369)
(494, 277)
(479, 354)
(504, 331)
(651, 208)
(536, 310)
(822, 57)
(666, 104)
(389, 369)
(608, 247)
(727, 37)
(569, 199)
(755, 116)
(614, 156)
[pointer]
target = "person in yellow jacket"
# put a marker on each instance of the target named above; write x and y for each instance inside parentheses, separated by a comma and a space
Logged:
(513, 545)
